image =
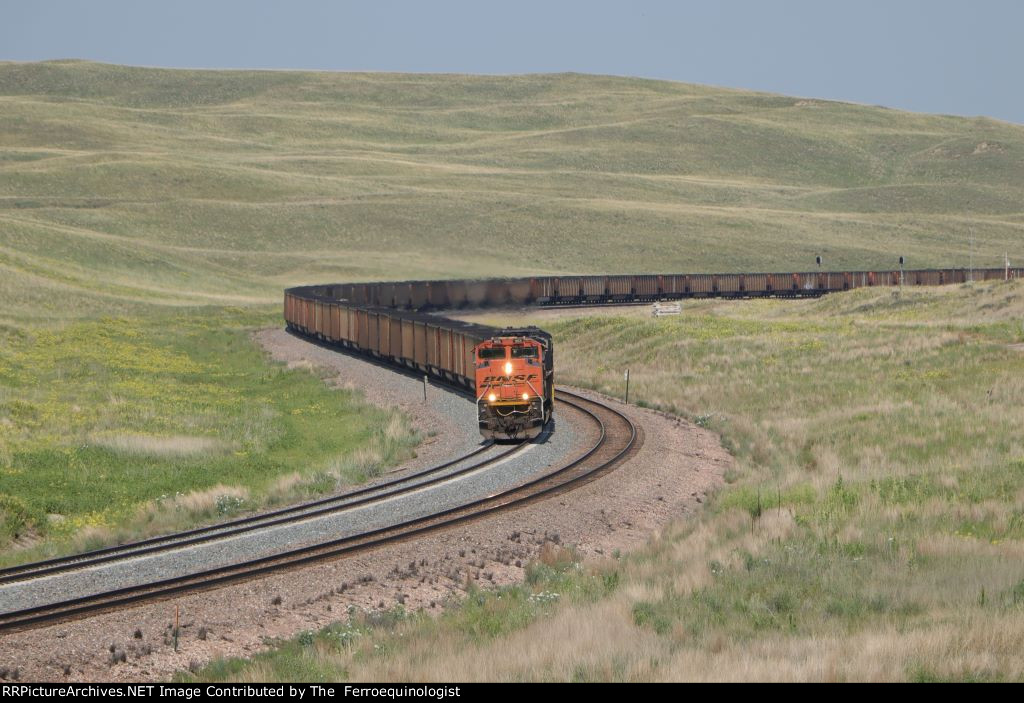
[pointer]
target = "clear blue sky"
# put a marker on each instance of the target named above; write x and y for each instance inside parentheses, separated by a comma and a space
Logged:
(958, 57)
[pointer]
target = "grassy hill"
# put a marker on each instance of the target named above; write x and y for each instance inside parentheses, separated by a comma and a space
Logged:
(121, 185)
(150, 218)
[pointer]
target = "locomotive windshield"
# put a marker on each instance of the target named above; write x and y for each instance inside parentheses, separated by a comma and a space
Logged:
(524, 352)
(491, 352)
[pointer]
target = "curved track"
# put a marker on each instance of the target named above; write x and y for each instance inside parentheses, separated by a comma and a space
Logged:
(294, 513)
(616, 437)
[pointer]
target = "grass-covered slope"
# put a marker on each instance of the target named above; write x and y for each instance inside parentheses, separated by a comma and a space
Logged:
(121, 427)
(182, 186)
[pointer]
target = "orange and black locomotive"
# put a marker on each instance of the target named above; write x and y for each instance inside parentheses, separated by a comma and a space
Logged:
(515, 383)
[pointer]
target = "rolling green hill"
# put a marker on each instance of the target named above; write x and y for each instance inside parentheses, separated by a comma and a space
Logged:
(123, 185)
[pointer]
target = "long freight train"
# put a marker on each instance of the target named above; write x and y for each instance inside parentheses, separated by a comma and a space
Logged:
(510, 370)
(515, 394)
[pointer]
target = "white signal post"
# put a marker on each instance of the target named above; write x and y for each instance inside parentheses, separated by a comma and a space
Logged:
(970, 243)
(627, 386)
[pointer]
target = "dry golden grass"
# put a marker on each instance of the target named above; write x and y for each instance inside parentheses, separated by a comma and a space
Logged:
(986, 647)
(602, 643)
(178, 445)
(165, 514)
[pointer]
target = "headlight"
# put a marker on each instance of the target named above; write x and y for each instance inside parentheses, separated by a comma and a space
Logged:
(526, 396)
(492, 397)
(508, 368)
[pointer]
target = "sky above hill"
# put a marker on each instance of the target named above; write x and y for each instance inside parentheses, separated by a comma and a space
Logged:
(939, 56)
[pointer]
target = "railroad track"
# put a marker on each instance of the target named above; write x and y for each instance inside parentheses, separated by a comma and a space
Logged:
(616, 436)
(295, 513)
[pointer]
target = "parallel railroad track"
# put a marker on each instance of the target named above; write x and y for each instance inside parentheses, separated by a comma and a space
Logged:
(295, 513)
(616, 437)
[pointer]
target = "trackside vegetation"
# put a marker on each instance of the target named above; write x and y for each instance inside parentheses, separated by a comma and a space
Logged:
(113, 428)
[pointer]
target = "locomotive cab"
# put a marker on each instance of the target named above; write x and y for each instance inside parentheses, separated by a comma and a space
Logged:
(514, 383)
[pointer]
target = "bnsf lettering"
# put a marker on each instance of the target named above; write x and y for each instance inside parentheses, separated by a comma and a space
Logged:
(521, 378)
